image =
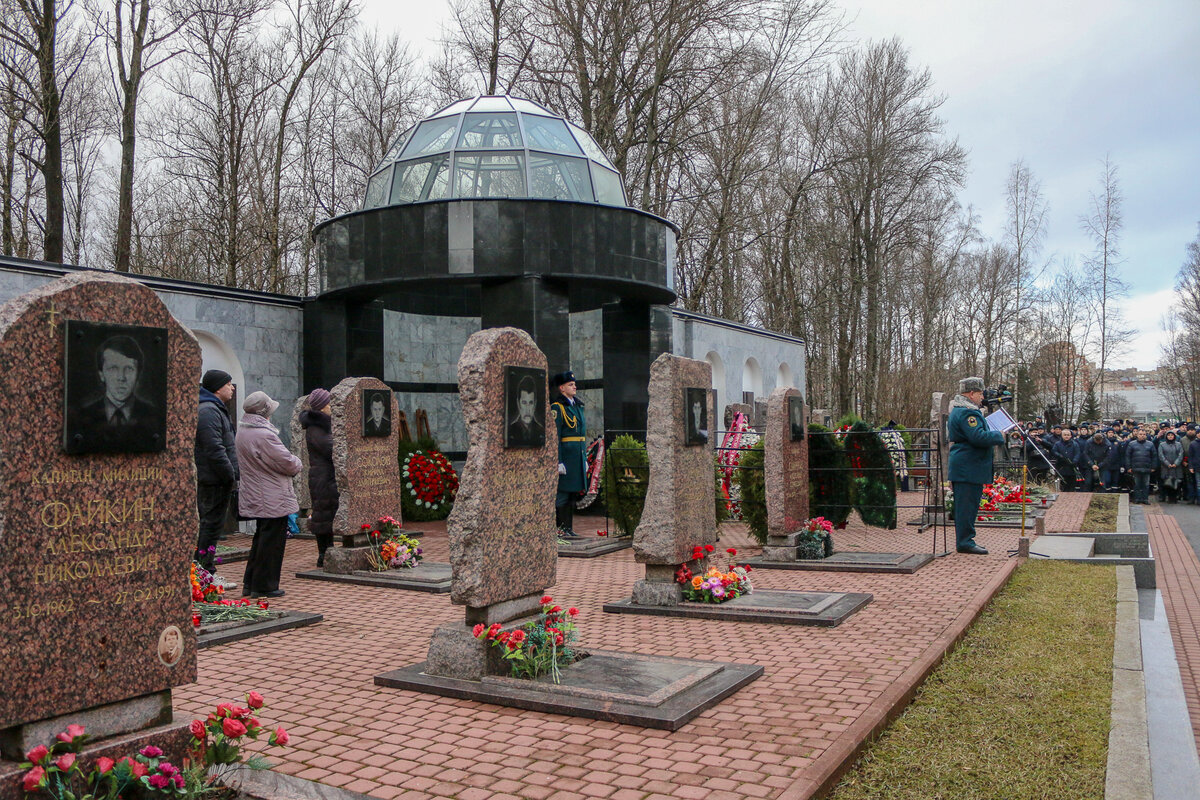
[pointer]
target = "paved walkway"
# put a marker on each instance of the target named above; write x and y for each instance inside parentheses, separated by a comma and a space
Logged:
(824, 691)
(1066, 515)
(1179, 582)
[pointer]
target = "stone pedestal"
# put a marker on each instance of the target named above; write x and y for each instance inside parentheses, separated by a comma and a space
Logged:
(502, 537)
(785, 472)
(680, 510)
(659, 587)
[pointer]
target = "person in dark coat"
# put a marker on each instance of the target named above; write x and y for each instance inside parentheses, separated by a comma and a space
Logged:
(1193, 466)
(216, 463)
(1095, 453)
(971, 443)
(1066, 455)
(322, 484)
(1170, 459)
(1141, 459)
(1112, 468)
(1036, 456)
(572, 451)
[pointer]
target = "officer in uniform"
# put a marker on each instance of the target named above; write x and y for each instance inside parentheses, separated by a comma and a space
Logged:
(571, 424)
(971, 443)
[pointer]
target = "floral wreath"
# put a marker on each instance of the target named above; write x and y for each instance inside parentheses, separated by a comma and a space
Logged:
(429, 478)
(739, 438)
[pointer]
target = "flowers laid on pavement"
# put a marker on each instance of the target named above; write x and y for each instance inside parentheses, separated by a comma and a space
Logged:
(391, 549)
(540, 647)
(209, 604)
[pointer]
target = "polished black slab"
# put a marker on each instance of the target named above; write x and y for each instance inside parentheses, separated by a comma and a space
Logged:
(225, 632)
(824, 609)
(627, 688)
(898, 563)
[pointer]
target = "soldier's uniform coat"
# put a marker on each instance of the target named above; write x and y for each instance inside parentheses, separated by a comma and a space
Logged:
(970, 467)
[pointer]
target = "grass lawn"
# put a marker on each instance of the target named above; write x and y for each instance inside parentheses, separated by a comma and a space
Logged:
(1101, 516)
(1019, 710)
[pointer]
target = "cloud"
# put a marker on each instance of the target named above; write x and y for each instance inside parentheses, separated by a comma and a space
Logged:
(1144, 313)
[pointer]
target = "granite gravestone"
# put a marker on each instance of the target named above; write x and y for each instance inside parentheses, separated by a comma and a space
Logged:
(95, 617)
(366, 467)
(502, 537)
(785, 476)
(300, 449)
(680, 509)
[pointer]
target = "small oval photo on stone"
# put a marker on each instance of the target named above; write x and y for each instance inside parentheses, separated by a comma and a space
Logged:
(170, 645)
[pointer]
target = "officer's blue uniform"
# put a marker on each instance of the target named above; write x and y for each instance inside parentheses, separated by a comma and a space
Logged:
(572, 454)
(970, 467)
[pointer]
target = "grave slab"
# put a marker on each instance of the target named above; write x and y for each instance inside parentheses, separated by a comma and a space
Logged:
(235, 631)
(592, 546)
(648, 691)
(429, 576)
(899, 563)
(824, 609)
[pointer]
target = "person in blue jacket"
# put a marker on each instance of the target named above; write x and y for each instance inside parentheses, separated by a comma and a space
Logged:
(971, 443)
(1141, 459)
(567, 410)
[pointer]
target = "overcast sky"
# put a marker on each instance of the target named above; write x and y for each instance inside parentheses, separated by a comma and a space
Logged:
(1058, 83)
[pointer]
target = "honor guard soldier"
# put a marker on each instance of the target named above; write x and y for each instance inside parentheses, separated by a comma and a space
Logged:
(571, 424)
(971, 443)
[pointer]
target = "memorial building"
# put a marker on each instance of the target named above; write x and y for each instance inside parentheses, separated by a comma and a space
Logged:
(493, 211)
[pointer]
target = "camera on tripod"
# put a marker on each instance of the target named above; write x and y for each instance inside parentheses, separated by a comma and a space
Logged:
(994, 398)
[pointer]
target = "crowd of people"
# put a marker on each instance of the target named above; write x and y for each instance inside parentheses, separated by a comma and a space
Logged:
(1116, 456)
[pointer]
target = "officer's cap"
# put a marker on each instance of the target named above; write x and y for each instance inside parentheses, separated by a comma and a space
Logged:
(562, 377)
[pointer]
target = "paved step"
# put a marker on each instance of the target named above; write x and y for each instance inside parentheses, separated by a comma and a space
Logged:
(1062, 547)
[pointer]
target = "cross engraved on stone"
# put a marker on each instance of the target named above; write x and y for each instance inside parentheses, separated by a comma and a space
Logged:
(52, 313)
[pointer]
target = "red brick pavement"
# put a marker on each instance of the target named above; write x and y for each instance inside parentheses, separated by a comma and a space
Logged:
(1066, 514)
(824, 691)
(1179, 581)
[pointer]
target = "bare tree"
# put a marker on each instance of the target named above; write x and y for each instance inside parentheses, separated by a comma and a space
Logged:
(1024, 231)
(1103, 223)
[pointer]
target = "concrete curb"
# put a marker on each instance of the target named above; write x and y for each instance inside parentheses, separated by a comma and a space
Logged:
(821, 775)
(1128, 774)
(1123, 513)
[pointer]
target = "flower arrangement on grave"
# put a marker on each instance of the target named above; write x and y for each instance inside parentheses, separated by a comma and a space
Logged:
(626, 478)
(540, 647)
(830, 488)
(391, 549)
(209, 604)
(752, 489)
(712, 585)
(56, 770)
(218, 739)
(815, 538)
(430, 485)
(874, 476)
(1002, 490)
(591, 478)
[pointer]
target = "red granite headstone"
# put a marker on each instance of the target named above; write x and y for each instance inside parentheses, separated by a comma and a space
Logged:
(785, 472)
(94, 548)
(366, 466)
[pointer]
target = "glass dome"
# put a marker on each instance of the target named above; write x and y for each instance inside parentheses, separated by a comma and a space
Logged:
(494, 146)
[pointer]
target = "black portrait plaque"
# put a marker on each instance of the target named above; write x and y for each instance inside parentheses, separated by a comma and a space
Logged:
(115, 392)
(376, 412)
(695, 416)
(796, 417)
(524, 407)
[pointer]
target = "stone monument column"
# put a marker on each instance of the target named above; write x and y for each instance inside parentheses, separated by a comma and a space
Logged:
(365, 459)
(785, 472)
(680, 508)
(503, 547)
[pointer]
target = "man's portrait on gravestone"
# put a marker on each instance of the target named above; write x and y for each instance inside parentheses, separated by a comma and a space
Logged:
(695, 411)
(796, 417)
(524, 407)
(377, 413)
(116, 388)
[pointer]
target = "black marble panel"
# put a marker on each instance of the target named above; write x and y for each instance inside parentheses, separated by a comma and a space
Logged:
(535, 305)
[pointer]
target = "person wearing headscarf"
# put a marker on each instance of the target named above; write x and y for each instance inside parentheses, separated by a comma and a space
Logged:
(322, 483)
(265, 493)
(1170, 458)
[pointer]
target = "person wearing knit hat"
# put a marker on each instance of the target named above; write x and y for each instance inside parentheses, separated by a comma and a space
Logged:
(265, 494)
(216, 466)
(971, 443)
(322, 484)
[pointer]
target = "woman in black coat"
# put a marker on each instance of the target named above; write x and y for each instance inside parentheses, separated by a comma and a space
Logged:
(322, 484)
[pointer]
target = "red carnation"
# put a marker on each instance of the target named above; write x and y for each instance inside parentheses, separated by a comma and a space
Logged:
(281, 736)
(708, 548)
(232, 728)
(254, 700)
(104, 764)
(33, 779)
(546, 599)
(198, 729)
(71, 732)
(731, 551)
(38, 753)
(574, 612)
